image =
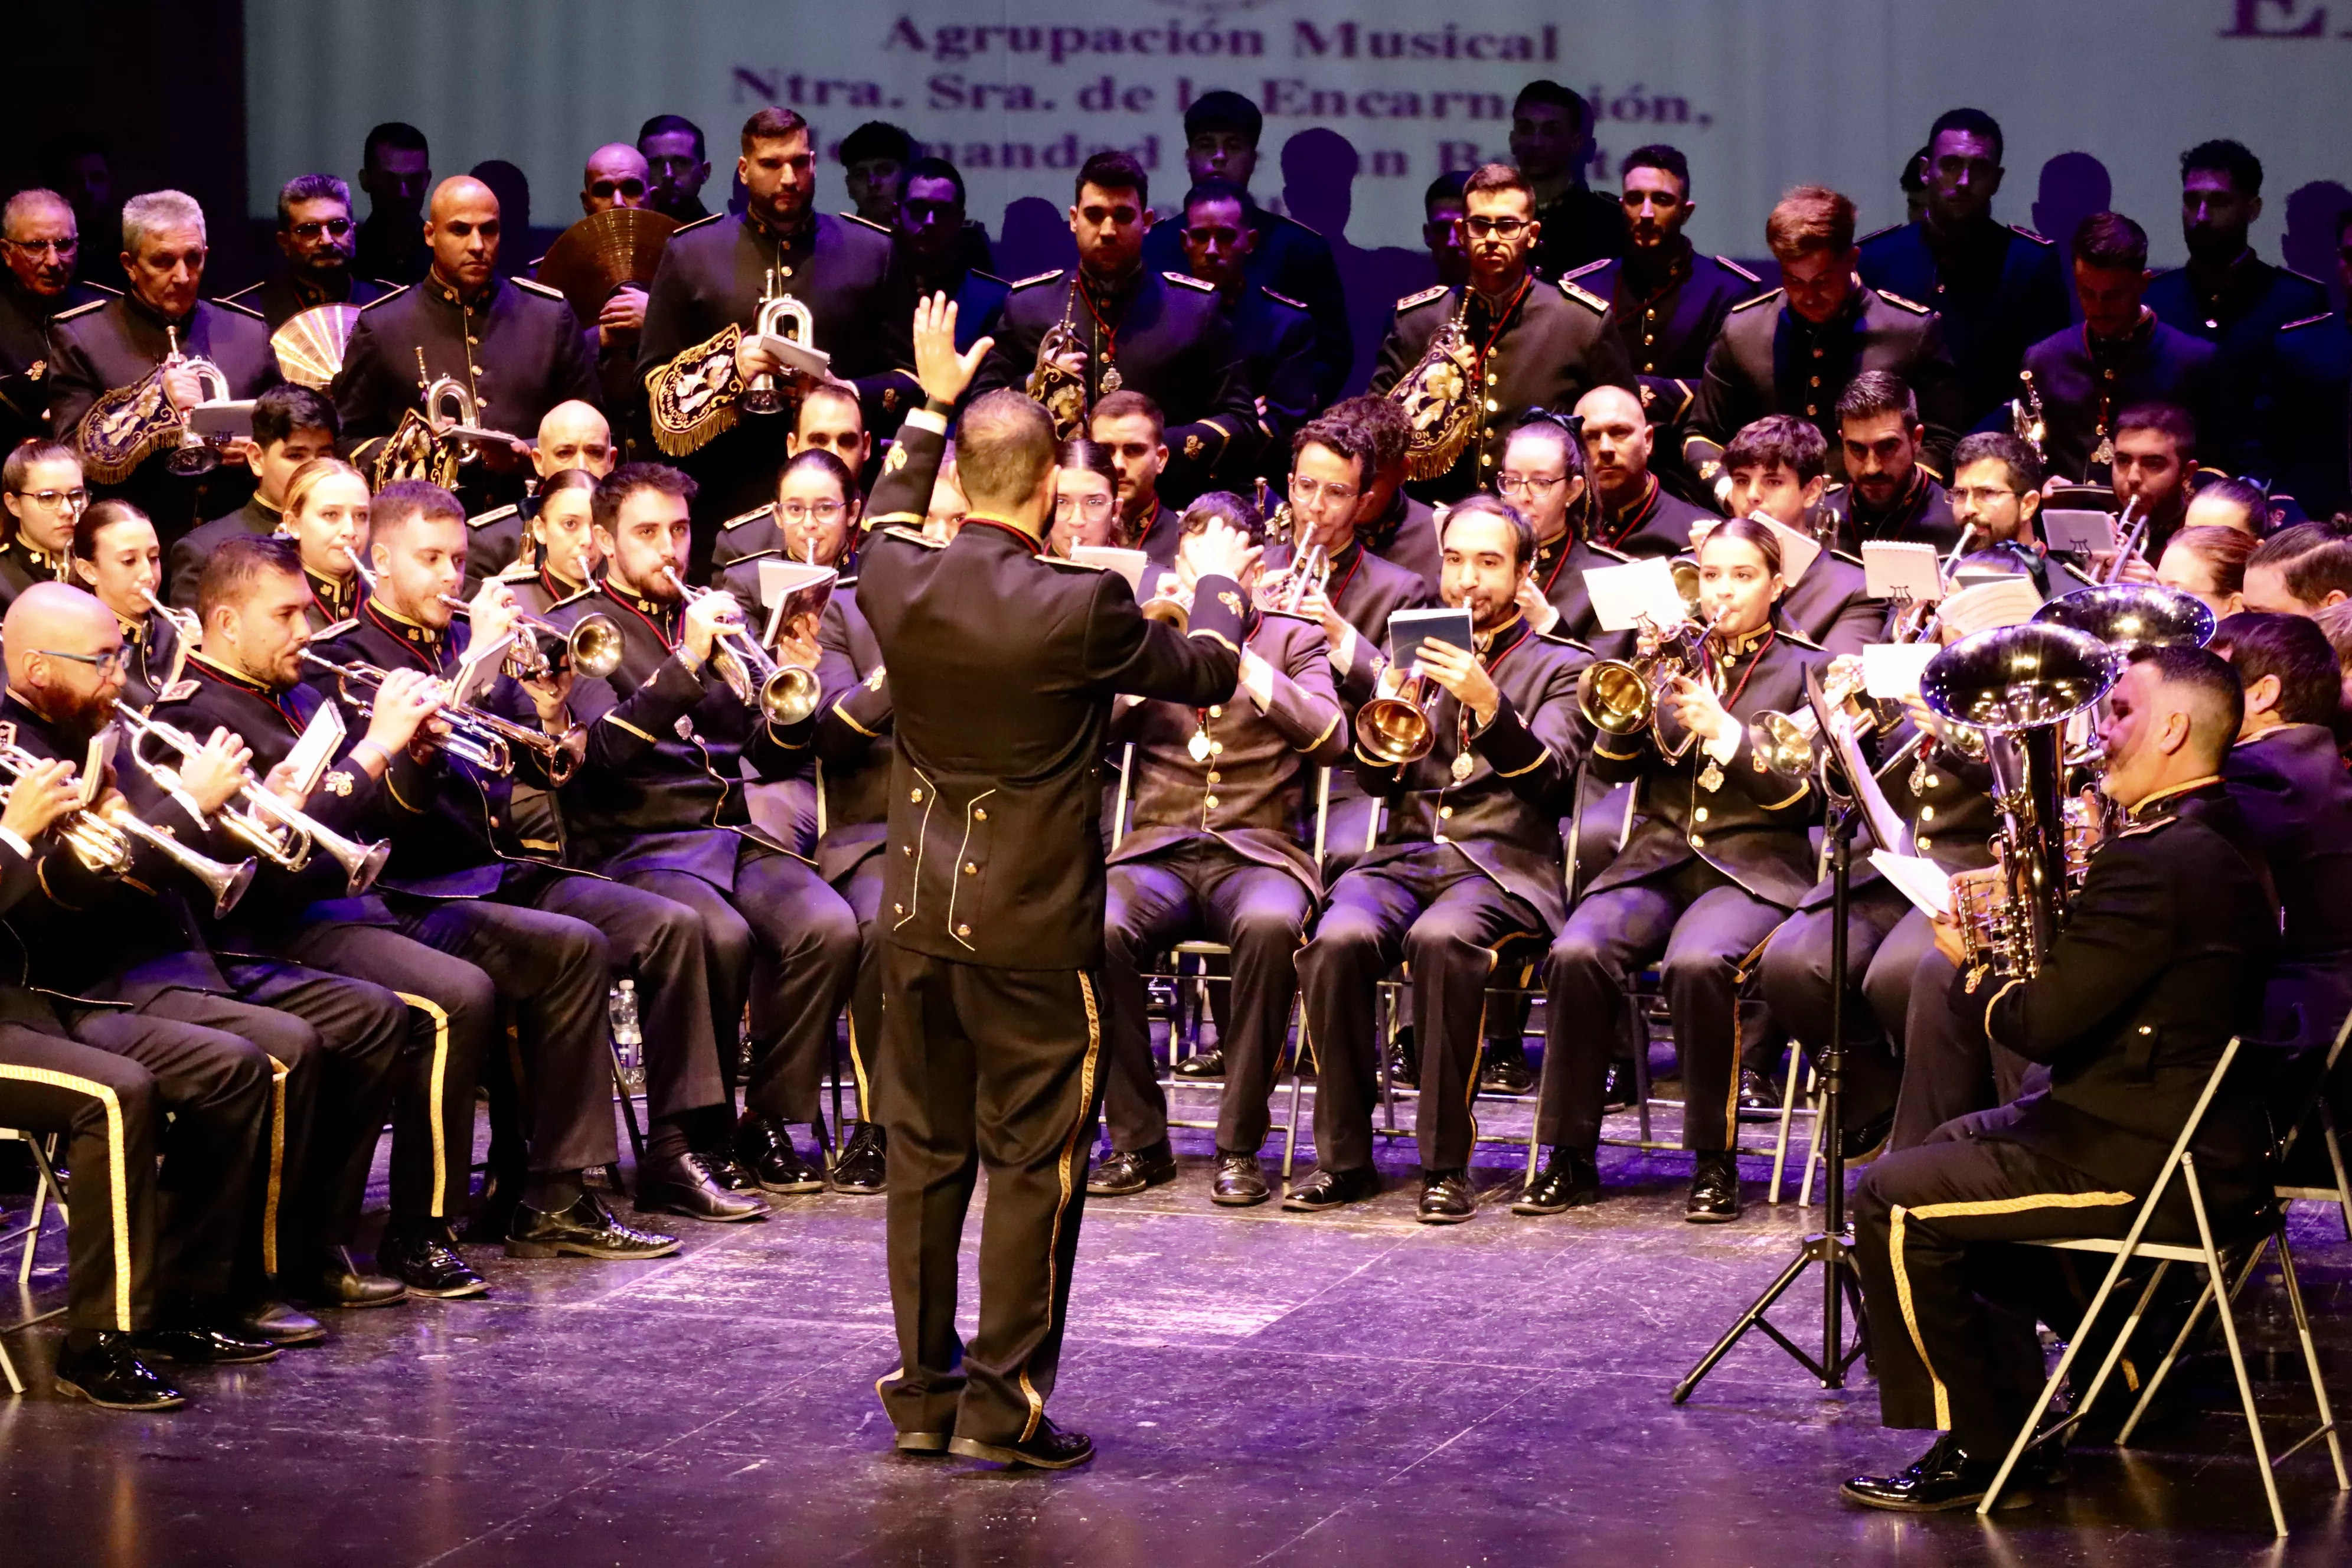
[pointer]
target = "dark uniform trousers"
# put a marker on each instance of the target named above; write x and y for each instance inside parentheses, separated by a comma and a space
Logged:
(1951, 1066)
(1202, 887)
(784, 940)
(213, 1094)
(1698, 924)
(110, 1113)
(1952, 1312)
(1029, 1118)
(1445, 920)
(1884, 939)
(861, 889)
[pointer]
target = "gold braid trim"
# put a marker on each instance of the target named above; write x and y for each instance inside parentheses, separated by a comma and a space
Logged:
(693, 396)
(125, 427)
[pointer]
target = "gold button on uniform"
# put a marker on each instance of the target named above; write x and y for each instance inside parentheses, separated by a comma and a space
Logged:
(1216, 778)
(907, 851)
(1698, 841)
(1216, 713)
(1924, 842)
(1445, 811)
(1927, 813)
(963, 931)
(972, 868)
(1699, 815)
(1492, 406)
(916, 795)
(1930, 782)
(979, 814)
(898, 909)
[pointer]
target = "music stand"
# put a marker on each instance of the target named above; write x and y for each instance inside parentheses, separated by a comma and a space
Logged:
(1830, 1247)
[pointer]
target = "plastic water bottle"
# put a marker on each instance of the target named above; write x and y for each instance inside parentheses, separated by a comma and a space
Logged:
(628, 1040)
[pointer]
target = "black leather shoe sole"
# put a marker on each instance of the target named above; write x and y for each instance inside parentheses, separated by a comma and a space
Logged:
(1134, 1179)
(358, 1303)
(925, 1443)
(584, 1249)
(694, 1204)
(2013, 1495)
(972, 1448)
(1697, 1215)
(1528, 1204)
(67, 1386)
(1300, 1202)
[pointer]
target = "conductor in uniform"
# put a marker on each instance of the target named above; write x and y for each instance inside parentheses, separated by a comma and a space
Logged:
(2160, 963)
(1002, 664)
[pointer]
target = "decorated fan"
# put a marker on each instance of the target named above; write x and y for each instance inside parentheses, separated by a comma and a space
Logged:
(599, 254)
(310, 347)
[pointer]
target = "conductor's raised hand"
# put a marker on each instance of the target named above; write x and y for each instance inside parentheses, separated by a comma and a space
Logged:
(1220, 549)
(942, 373)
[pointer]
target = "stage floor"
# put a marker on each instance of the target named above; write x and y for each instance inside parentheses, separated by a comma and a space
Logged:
(1355, 1389)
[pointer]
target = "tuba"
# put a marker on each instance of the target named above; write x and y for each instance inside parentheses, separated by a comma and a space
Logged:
(1441, 399)
(2127, 615)
(1061, 392)
(2021, 685)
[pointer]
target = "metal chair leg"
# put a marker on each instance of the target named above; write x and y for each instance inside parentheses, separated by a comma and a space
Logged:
(1780, 1140)
(1641, 1067)
(2310, 1360)
(2214, 1277)
(629, 1120)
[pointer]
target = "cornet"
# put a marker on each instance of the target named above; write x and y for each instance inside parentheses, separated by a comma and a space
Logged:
(1398, 729)
(777, 312)
(103, 844)
(1624, 696)
(480, 740)
(783, 693)
(1309, 573)
(267, 826)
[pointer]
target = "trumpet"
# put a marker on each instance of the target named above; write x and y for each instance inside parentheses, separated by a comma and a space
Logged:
(1624, 696)
(1170, 606)
(1789, 742)
(783, 693)
(543, 650)
(2128, 549)
(479, 739)
(777, 310)
(189, 631)
(453, 415)
(1309, 572)
(1398, 729)
(194, 456)
(360, 570)
(273, 829)
(1061, 392)
(103, 845)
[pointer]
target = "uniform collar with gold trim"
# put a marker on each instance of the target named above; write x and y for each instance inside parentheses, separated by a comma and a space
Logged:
(798, 235)
(425, 642)
(202, 663)
(1499, 642)
(1028, 540)
(1745, 643)
(440, 288)
(1647, 277)
(40, 562)
(132, 303)
(338, 597)
(2165, 804)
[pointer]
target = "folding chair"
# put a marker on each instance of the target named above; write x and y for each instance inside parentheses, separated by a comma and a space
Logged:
(47, 1190)
(2205, 1256)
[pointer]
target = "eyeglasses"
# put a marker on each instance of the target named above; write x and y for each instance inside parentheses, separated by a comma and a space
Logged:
(106, 664)
(1304, 491)
(1983, 495)
(1093, 506)
(57, 500)
(44, 247)
(822, 510)
(336, 227)
(1496, 227)
(605, 190)
(1529, 484)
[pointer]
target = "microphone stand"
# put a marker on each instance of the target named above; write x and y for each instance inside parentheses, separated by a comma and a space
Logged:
(1831, 1246)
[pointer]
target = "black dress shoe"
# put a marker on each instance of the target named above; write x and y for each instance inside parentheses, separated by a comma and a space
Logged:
(111, 1374)
(424, 1260)
(1126, 1173)
(1404, 1062)
(1202, 1066)
(1865, 1142)
(1326, 1190)
(1446, 1197)
(863, 1167)
(340, 1283)
(586, 1229)
(1047, 1449)
(1569, 1179)
(1945, 1477)
(767, 1151)
(1619, 1088)
(683, 1183)
(1504, 1069)
(1238, 1183)
(278, 1321)
(727, 1172)
(201, 1347)
(1760, 1097)
(1714, 1190)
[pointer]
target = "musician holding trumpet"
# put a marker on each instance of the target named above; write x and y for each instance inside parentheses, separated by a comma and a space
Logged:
(117, 557)
(1719, 857)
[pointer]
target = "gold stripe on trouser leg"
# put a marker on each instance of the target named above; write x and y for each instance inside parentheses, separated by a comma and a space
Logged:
(440, 1017)
(1894, 1235)
(274, 1185)
(117, 1170)
(1068, 1172)
(857, 1067)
